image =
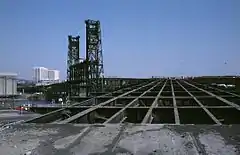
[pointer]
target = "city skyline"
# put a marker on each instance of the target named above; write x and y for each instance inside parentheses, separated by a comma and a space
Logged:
(157, 38)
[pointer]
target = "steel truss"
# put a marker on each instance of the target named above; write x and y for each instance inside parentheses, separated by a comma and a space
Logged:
(73, 58)
(94, 56)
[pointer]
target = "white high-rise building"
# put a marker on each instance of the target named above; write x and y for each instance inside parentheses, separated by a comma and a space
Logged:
(57, 75)
(41, 74)
(53, 75)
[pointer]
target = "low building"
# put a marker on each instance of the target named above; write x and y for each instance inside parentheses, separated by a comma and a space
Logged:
(8, 84)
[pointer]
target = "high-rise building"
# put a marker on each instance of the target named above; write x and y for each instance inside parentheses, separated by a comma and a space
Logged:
(57, 75)
(53, 75)
(41, 74)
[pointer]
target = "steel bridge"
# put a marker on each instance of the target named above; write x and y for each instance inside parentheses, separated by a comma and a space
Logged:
(158, 101)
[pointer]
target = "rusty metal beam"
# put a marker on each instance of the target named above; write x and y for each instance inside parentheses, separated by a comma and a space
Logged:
(52, 116)
(120, 114)
(147, 118)
(218, 97)
(176, 114)
(220, 90)
(161, 97)
(83, 113)
(201, 105)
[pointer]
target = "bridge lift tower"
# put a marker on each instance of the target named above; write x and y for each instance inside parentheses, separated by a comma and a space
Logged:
(94, 56)
(73, 58)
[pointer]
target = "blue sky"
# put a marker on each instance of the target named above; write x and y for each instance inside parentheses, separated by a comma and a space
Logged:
(140, 38)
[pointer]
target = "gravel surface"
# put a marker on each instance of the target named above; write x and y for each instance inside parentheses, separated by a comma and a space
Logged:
(69, 139)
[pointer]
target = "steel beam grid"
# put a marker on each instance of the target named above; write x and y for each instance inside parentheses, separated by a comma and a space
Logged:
(201, 105)
(132, 103)
(81, 114)
(162, 101)
(48, 117)
(148, 117)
